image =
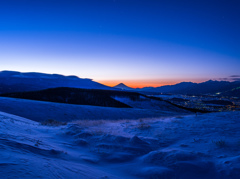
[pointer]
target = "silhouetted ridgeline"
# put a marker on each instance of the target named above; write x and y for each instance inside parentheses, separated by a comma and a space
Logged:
(93, 97)
(188, 88)
(12, 81)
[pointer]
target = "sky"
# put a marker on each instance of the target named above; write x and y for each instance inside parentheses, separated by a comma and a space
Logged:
(137, 42)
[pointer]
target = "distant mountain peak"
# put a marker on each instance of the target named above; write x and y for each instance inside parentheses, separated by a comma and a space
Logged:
(122, 86)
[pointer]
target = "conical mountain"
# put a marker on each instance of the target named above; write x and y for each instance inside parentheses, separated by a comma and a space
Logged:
(123, 86)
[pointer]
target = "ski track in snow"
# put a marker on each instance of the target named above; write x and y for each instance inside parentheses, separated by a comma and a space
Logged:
(203, 146)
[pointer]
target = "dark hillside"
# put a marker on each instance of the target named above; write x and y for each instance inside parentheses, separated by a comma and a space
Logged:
(93, 97)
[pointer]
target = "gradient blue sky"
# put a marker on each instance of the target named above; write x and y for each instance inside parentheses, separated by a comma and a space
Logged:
(138, 42)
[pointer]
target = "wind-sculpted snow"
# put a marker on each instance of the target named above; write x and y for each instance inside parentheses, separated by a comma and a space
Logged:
(29, 150)
(202, 146)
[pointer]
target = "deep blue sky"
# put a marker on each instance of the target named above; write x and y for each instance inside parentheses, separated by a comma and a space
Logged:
(139, 42)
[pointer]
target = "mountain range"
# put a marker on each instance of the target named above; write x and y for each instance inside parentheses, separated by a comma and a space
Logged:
(224, 88)
(189, 88)
(12, 81)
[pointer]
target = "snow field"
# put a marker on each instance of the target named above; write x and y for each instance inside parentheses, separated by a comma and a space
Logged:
(203, 146)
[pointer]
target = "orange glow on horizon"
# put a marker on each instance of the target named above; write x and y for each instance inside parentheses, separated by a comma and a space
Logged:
(145, 83)
(135, 84)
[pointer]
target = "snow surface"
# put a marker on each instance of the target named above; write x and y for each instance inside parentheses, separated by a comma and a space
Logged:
(146, 103)
(39, 111)
(186, 147)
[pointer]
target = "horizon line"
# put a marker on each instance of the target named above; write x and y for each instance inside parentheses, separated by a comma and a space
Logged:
(139, 83)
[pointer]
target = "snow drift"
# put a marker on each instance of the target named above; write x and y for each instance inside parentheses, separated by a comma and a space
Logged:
(203, 146)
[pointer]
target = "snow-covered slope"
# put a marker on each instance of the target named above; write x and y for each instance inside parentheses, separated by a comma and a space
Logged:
(12, 81)
(204, 146)
(147, 103)
(39, 111)
(30, 150)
